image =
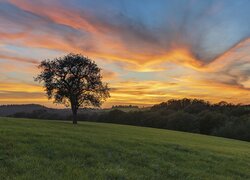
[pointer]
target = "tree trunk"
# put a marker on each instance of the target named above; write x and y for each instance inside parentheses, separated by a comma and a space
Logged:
(74, 109)
(74, 113)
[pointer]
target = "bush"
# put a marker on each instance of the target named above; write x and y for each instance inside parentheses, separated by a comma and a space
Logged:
(209, 121)
(183, 121)
(235, 130)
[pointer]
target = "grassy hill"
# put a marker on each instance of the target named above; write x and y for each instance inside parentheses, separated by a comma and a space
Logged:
(37, 149)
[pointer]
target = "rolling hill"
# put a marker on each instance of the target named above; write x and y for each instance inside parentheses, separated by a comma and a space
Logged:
(32, 149)
(7, 110)
(12, 110)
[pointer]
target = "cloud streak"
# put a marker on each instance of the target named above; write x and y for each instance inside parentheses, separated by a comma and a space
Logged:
(206, 41)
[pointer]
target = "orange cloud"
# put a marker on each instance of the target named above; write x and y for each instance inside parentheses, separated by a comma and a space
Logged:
(106, 46)
(19, 87)
(17, 92)
(151, 92)
(21, 59)
(12, 36)
(224, 78)
(239, 52)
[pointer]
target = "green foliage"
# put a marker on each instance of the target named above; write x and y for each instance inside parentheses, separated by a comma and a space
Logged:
(32, 149)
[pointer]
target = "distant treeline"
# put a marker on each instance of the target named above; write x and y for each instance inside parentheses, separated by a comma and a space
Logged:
(189, 115)
(124, 106)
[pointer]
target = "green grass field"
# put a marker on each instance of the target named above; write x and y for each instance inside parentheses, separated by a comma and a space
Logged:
(37, 149)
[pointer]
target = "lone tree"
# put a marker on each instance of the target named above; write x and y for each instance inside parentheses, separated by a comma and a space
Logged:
(73, 80)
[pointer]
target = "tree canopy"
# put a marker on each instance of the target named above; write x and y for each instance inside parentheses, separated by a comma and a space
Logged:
(73, 80)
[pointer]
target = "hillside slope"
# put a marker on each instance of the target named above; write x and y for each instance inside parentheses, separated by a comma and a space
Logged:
(6, 110)
(32, 149)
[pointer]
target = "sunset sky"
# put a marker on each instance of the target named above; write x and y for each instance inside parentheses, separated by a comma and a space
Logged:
(149, 50)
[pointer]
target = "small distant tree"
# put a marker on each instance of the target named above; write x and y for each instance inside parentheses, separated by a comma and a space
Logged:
(73, 80)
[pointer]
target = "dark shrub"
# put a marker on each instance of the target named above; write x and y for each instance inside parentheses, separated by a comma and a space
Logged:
(183, 121)
(209, 121)
(240, 130)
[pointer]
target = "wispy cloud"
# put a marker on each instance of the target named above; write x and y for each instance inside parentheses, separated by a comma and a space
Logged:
(204, 45)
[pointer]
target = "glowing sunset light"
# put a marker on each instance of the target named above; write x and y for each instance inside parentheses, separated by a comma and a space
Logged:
(149, 51)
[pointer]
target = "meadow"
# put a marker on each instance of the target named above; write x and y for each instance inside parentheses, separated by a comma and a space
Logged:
(42, 149)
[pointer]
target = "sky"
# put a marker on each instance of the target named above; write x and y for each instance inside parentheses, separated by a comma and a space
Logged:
(149, 50)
